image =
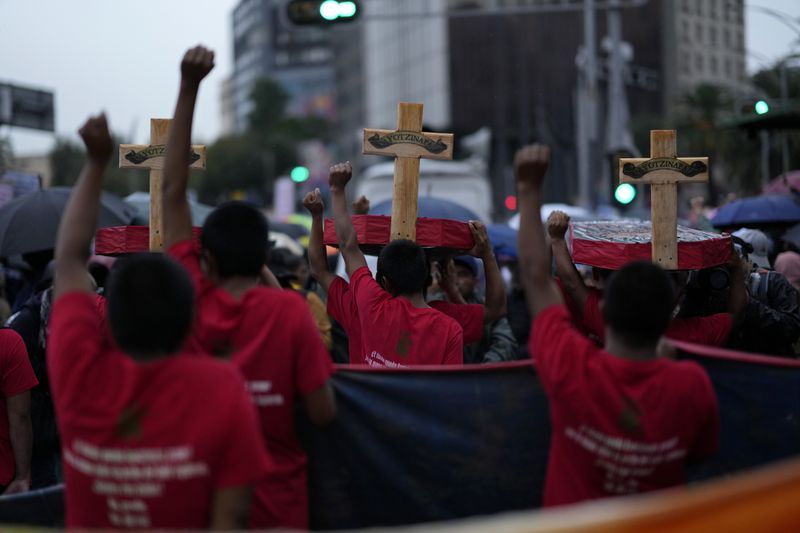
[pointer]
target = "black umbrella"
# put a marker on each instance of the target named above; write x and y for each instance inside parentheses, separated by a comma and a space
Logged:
(30, 223)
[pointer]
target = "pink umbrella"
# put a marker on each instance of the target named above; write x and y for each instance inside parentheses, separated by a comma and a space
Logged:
(779, 186)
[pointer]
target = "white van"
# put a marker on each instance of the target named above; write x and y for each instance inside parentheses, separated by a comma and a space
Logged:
(462, 182)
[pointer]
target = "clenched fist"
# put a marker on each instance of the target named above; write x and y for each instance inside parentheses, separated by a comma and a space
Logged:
(196, 64)
(530, 165)
(557, 224)
(97, 139)
(313, 202)
(340, 175)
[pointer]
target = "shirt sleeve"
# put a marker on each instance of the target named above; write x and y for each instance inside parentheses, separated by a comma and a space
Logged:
(468, 316)
(74, 347)
(16, 375)
(245, 460)
(455, 347)
(341, 305)
(557, 348)
(186, 253)
(313, 365)
(367, 294)
(711, 330)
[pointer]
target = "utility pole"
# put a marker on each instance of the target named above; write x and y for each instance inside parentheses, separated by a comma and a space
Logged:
(586, 127)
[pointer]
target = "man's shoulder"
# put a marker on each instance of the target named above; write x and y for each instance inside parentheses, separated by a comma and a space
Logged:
(202, 369)
(686, 374)
(274, 299)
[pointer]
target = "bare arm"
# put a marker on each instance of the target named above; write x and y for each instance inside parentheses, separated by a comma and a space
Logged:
(530, 164)
(317, 258)
(571, 279)
(345, 233)
(196, 64)
(76, 231)
(230, 508)
(321, 405)
(21, 436)
(495, 307)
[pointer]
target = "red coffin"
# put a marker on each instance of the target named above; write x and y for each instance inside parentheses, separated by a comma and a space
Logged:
(435, 234)
(613, 244)
(120, 240)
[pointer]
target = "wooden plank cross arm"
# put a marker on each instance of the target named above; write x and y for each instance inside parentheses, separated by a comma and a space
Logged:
(408, 143)
(151, 157)
(664, 171)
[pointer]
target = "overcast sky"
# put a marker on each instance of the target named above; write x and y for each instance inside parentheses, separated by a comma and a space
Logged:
(123, 57)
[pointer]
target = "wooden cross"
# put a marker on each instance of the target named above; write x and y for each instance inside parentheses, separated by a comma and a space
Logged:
(664, 171)
(151, 157)
(407, 144)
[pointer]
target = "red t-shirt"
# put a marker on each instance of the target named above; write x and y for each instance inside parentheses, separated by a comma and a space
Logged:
(395, 334)
(342, 307)
(270, 335)
(619, 426)
(468, 316)
(712, 330)
(16, 377)
(145, 444)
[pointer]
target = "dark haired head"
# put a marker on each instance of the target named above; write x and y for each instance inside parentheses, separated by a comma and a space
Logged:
(284, 264)
(150, 305)
(638, 303)
(236, 236)
(403, 268)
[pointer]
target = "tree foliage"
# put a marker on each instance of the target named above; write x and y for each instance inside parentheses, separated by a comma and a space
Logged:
(251, 161)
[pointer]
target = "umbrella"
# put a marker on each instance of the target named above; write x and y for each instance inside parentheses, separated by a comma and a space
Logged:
(781, 186)
(30, 222)
(758, 211)
(431, 207)
(504, 240)
(141, 202)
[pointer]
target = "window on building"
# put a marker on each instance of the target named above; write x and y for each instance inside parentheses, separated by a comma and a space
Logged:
(714, 66)
(726, 38)
(698, 32)
(699, 64)
(728, 70)
(712, 9)
(712, 35)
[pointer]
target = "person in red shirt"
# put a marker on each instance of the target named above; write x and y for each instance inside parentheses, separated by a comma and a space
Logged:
(152, 437)
(623, 420)
(267, 333)
(341, 304)
(712, 330)
(16, 436)
(398, 328)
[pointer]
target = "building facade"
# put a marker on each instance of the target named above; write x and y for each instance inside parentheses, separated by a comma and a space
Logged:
(266, 45)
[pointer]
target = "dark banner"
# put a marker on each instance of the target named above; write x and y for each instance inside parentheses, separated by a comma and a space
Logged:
(418, 446)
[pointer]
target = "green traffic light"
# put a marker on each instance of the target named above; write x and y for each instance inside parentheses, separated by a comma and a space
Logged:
(329, 10)
(761, 107)
(299, 174)
(347, 9)
(625, 193)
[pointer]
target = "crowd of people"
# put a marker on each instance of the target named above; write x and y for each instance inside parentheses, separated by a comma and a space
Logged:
(163, 389)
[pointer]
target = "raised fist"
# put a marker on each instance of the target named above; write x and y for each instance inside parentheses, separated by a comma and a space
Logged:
(197, 63)
(530, 165)
(361, 206)
(313, 202)
(557, 224)
(340, 175)
(97, 139)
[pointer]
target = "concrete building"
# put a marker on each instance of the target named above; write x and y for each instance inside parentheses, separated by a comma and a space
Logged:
(516, 72)
(265, 45)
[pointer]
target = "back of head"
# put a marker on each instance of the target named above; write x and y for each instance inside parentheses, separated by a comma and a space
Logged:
(404, 267)
(638, 303)
(236, 234)
(150, 305)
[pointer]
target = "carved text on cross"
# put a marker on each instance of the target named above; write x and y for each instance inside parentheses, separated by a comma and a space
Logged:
(408, 143)
(151, 157)
(663, 172)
